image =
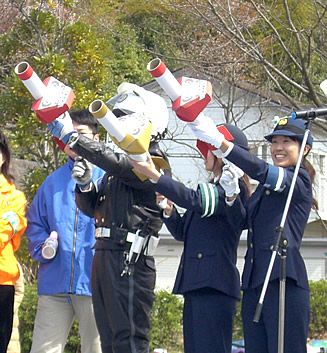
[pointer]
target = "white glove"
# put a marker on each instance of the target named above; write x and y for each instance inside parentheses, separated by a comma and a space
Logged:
(218, 153)
(205, 130)
(62, 127)
(82, 171)
(233, 168)
(229, 181)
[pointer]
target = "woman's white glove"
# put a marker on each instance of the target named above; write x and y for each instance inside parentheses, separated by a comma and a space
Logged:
(205, 130)
(229, 181)
(82, 171)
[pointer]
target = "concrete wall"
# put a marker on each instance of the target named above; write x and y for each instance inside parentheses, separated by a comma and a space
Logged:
(313, 250)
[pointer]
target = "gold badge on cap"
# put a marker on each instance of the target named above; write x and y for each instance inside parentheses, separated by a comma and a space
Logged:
(283, 121)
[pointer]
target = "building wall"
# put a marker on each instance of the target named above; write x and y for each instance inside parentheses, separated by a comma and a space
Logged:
(168, 254)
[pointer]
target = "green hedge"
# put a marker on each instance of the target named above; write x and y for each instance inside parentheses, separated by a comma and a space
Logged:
(166, 331)
(318, 318)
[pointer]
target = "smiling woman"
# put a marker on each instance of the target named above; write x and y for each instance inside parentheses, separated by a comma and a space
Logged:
(285, 150)
(265, 210)
(264, 213)
(285, 141)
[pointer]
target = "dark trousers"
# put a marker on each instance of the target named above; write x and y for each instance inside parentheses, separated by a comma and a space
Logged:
(7, 294)
(207, 321)
(262, 337)
(122, 304)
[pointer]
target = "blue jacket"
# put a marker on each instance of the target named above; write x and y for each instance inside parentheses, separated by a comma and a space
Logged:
(264, 213)
(210, 237)
(54, 208)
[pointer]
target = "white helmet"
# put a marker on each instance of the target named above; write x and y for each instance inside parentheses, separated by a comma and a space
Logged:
(132, 98)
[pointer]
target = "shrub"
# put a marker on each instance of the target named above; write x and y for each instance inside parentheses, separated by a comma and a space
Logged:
(27, 313)
(166, 326)
(318, 319)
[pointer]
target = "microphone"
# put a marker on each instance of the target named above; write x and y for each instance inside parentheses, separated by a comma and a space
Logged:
(309, 114)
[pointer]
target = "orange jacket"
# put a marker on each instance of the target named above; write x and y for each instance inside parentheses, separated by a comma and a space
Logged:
(12, 226)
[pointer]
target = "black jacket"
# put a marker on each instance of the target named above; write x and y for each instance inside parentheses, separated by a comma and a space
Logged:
(121, 202)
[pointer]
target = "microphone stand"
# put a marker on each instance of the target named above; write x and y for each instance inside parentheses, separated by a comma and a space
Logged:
(280, 248)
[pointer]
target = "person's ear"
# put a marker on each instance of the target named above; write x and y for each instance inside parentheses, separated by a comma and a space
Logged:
(96, 137)
(307, 149)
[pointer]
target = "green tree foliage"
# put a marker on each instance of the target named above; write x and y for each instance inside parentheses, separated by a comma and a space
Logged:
(71, 47)
(279, 45)
(292, 38)
(57, 39)
(150, 27)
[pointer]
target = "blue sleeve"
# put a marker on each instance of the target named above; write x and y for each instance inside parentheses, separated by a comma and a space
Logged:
(270, 176)
(236, 215)
(175, 225)
(204, 200)
(38, 228)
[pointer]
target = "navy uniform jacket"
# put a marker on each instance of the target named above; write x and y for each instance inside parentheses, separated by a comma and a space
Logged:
(264, 213)
(210, 231)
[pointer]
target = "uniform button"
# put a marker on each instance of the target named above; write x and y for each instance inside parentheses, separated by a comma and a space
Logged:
(250, 230)
(100, 199)
(102, 220)
(103, 197)
(271, 247)
(200, 255)
(267, 192)
(96, 221)
(251, 261)
(251, 245)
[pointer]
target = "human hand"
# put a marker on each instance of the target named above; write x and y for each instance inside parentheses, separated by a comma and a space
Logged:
(229, 181)
(233, 168)
(82, 171)
(146, 168)
(165, 204)
(62, 127)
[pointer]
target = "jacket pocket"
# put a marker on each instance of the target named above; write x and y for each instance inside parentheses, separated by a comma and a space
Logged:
(200, 266)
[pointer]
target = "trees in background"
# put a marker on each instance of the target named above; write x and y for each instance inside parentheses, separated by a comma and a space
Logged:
(279, 45)
(94, 45)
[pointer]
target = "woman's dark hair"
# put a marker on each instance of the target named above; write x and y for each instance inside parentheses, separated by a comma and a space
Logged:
(4, 148)
(312, 173)
(246, 181)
